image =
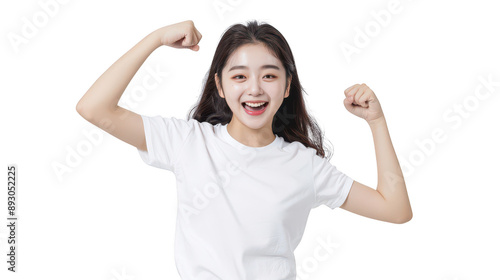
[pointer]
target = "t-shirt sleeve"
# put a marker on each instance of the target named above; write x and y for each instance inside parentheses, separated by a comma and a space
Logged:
(331, 185)
(165, 137)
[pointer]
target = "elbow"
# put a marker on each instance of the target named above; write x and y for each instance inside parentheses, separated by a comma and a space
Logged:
(404, 218)
(82, 110)
(79, 108)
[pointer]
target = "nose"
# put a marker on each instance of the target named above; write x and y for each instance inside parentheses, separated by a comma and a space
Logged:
(254, 86)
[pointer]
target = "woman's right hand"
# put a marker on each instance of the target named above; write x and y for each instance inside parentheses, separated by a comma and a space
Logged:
(182, 35)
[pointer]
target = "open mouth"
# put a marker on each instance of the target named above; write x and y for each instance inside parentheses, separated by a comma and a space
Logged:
(255, 110)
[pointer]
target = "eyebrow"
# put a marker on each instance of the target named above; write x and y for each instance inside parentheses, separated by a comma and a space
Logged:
(267, 66)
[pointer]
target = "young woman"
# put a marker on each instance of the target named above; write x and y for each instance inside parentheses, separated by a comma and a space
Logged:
(249, 162)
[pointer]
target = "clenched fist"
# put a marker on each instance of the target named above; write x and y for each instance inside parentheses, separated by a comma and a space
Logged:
(361, 101)
(182, 35)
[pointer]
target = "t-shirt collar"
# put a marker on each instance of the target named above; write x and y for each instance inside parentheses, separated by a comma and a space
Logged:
(235, 143)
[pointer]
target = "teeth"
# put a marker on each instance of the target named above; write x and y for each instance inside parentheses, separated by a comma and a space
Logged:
(255, 104)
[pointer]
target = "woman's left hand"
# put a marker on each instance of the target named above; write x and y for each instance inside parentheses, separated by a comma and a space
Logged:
(361, 101)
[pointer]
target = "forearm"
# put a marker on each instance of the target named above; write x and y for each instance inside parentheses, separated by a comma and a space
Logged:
(391, 184)
(105, 93)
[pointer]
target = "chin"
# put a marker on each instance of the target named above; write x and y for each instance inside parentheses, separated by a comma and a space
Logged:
(257, 124)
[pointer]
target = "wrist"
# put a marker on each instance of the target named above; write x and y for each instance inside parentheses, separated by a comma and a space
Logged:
(377, 122)
(156, 38)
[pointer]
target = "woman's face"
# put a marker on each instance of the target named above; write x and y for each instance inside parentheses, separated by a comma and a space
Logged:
(253, 74)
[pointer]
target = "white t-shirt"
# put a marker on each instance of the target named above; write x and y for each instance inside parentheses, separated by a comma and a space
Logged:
(241, 210)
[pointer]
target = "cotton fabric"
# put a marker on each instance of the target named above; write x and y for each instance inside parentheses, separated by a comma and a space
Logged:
(241, 210)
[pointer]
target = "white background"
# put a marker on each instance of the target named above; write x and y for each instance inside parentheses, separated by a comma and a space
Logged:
(111, 216)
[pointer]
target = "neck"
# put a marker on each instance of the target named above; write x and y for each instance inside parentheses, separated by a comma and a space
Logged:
(251, 137)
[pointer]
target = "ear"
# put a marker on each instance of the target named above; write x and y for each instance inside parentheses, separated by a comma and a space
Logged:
(217, 83)
(287, 93)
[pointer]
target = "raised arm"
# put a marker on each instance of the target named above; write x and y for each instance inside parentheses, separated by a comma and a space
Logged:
(99, 105)
(390, 201)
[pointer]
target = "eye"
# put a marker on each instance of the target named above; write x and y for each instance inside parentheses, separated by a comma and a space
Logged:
(269, 75)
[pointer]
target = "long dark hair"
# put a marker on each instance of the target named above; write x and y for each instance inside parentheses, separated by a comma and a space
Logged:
(291, 121)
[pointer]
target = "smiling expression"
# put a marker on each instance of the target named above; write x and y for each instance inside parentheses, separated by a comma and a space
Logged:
(253, 74)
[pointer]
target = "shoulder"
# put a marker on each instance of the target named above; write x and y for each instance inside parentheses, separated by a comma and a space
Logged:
(193, 123)
(178, 128)
(308, 155)
(200, 130)
(297, 148)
